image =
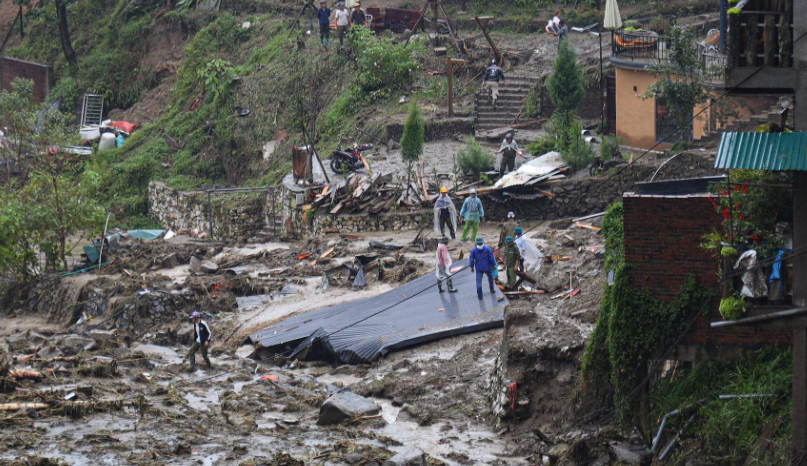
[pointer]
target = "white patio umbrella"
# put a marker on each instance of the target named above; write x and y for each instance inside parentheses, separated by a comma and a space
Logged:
(612, 19)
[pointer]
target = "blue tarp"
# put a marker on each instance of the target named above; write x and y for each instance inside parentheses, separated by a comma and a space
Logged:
(146, 234)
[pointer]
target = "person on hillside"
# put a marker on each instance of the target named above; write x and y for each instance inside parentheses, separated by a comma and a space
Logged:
(342, 22)
(324, 16)
(472, 213)
(444, 266)
(508, 151)
(512, 260)
(358, 17)
(201, 340)
(483, 263)
(493, 74)
(557, 27)
(445, 214)
(507, 229)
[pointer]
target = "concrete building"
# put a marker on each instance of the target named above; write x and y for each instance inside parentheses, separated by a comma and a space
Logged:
(758, 78)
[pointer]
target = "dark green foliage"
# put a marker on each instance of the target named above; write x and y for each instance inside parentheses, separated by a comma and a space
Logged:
(727, 430)
(610, 147)
(413, 134)
(473, 159)
(566, 84)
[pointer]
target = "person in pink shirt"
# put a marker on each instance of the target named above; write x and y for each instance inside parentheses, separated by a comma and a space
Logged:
(444, 266)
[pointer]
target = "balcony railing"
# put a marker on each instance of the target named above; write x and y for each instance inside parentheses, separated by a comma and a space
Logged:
(639, 46)
(651, 48)
(761, 34)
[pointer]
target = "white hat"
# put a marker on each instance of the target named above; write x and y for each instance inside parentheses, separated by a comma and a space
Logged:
(473, 190)
(511, 215)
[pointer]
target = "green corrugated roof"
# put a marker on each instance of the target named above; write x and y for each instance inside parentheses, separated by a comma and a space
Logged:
(763, 151)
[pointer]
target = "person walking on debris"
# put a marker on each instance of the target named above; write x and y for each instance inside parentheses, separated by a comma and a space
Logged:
(493, 74)
(483, 263)
(557, 27)
(342, 22)
(508, 150)
(444, 266)
(324, 16)
(472, 213)
(357, 18)
(512, 260)
(507, 229)
(445, 214)
(201, 340)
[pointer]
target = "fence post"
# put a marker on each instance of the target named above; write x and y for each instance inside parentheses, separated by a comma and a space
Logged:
(210, 213)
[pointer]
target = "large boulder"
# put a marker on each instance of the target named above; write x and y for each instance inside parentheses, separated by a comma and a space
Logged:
(409, 457)
(37, 339)
(209, 267)
(102, 336)
(73, 344)
(185, 334)
(345, 405)
(18, 342)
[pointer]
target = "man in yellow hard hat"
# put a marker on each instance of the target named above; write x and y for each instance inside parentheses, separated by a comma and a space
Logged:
(445, 214)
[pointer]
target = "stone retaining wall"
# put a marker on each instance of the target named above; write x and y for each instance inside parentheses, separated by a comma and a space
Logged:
(357, 223)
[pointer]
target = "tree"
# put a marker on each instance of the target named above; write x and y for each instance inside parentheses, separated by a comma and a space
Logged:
(59, 7)
(566, 84)
(679, 82)
(412, 140)
(52, 198)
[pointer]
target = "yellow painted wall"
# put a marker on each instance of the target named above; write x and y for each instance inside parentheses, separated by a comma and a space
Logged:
(635, 117)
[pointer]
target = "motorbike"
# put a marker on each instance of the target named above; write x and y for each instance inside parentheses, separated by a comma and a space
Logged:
(348, 160)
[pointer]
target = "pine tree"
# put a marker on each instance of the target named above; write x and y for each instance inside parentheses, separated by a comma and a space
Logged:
(566, 84)
(412, 140)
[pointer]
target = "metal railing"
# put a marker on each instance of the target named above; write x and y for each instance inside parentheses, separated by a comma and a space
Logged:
(651, 48)
(641, 46)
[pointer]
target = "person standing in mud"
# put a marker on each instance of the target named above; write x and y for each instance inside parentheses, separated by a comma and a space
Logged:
(443, 266)
(483, 263)
(201, 340)
(445, 214)
(324, 16)
(512, 260)
(509, 150)
(508, 228)
(472, 213)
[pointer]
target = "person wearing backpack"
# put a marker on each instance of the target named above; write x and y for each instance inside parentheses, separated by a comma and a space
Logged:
(493, 74)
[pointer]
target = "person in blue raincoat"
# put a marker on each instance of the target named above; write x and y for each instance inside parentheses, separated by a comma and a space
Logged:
(483, 263)
(471, 212)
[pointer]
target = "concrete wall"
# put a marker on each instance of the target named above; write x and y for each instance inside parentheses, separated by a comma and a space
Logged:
(41, 75)
(357, 223)
(635, 117)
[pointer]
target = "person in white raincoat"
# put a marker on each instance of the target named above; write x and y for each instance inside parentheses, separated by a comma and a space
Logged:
(531, 257)
(443, 261)
(445, 214)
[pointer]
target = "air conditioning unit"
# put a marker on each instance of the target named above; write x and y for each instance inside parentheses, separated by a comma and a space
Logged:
(299, 199)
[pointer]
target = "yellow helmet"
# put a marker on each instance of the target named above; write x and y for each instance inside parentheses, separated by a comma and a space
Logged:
(443, 189)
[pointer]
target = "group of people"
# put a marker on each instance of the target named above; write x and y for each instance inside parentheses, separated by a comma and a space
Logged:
(344, 20)
(511, 248)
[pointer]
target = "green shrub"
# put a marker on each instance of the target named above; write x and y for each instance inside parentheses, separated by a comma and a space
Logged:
(732, 308)
(728, 252)
(66, 93)
(610, 147)
(473, 160)
(544, 144)
(532, 106)
(382, 63)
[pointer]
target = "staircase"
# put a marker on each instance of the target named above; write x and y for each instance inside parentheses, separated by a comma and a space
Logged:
(510, 104)
(773, 115)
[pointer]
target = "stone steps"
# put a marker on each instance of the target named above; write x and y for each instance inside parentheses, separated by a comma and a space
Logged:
(510, 103)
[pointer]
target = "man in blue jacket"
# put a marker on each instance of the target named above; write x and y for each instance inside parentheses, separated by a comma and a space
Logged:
(483, 262)
(324, 16)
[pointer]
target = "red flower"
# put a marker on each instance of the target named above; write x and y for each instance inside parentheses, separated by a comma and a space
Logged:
(737, 206)
(744, 189)
(742, 217)
(725, 214)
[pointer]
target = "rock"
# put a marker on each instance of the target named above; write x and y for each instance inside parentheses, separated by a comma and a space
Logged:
(567, 241)
(398, 401)
(37, 339)
(345, 405)
(73, 344)
(558, 450)
(102, 336)
(195, 264)
(48, 352)
(412, 457)
(170, 261)
(393, 145)
(209, 267)
(18, 342)
(353, 458)
(631, 454)
(414, 414)
(588, 316)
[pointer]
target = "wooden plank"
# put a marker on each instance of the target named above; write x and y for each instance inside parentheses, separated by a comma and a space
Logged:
(771, 44)
(327, 253)
(366, 165)
(547, 194)
(751, 41)
(588, 227)
(338, 207)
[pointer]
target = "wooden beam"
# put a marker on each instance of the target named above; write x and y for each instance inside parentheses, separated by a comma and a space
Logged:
(483, 26)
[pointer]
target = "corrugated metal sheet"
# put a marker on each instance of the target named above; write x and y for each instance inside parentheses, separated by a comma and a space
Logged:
(350, 333)
(763, 151)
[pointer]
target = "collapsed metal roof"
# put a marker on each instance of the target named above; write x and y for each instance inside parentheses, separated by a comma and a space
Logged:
(361, 331)
(534, 171)
(763, 151)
